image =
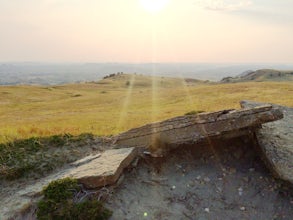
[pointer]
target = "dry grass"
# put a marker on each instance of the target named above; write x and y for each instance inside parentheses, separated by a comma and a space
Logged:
(117, 104)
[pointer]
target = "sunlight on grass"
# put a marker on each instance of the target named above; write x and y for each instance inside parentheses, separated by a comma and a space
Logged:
(110, 106)
(186, 89)
(123, 114)
(154, 91)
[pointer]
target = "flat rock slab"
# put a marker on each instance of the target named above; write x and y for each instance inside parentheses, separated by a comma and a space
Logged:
(276, 142)
(103, 170)
(191, 129)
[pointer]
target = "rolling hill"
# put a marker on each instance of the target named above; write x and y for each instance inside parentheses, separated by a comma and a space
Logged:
(121, 102)
(261, 76)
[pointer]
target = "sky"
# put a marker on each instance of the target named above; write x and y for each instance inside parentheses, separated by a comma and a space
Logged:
(238, 31)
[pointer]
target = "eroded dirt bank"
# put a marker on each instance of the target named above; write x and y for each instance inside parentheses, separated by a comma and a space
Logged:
(215, 180)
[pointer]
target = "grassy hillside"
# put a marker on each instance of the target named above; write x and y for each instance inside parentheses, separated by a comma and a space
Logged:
(119, 103)
(261, 76)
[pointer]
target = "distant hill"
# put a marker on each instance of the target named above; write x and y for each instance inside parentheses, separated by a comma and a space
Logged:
(62, 73)
(144, 81)
(261, 76)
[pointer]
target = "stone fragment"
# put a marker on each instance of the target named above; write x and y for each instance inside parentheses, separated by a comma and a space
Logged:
(104, 170)
(276, 142)
(207, 210)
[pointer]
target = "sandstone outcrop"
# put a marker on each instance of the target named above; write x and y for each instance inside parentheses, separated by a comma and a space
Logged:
(276, 141)
(192, 129)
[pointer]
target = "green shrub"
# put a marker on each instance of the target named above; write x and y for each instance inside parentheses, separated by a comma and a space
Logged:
(58, 140)
(60, 190)
(58, 203)
(90, 209)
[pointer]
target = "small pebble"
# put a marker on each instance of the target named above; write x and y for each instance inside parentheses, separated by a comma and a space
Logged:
(240, 191)
(207, 210)
(242, 208)
(219, 190)
(173, 187)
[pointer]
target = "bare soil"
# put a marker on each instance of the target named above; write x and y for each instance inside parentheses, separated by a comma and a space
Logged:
(216, 180)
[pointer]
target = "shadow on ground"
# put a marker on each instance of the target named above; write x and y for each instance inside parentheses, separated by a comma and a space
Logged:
(215, 180)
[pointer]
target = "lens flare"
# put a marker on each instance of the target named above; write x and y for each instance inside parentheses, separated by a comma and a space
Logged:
(154, 6)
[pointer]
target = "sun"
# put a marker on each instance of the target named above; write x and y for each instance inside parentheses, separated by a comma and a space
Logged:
(154, 6)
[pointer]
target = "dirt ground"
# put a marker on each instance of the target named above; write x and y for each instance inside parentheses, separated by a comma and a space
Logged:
(215, 180)
(218, 180)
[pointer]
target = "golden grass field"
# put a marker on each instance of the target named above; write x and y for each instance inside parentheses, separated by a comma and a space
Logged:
(119, 103)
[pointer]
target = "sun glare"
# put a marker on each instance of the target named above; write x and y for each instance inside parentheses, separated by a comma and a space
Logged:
(154, 6)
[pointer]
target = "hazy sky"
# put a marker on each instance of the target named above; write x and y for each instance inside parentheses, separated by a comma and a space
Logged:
(146, 30)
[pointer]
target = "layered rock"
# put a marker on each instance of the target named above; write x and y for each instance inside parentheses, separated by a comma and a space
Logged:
(104, 170)
(276, 141)
(192, 129)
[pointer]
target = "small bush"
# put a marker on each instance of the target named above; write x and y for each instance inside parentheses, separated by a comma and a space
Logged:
(32, 144)
(76, 95)
(193, 112)
(90, 209)
(58, 140)
(58, 203)
(60, 190)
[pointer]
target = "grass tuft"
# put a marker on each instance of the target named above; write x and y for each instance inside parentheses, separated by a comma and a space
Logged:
(38, 155)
